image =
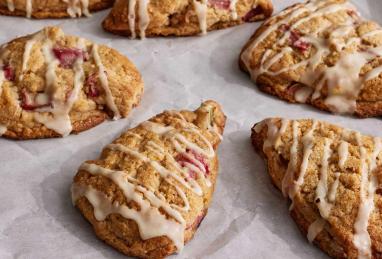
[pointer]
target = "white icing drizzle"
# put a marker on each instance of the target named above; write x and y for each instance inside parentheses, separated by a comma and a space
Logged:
(232, 7)
(59, 119)
(343, 80)
(105, 83)
(323, 204)
(11, 5)
(85, 8)
(274, 134)
(27, 51)
(164, 172)
(79, 77)
(315, 228)
(151, 222)
(343, 152)
(201, 10)
(368, 187)
(29, 8)
(3, 129)
(78, 7)
(288, 179)
(144, 18)
(307, 141)
(132, 4)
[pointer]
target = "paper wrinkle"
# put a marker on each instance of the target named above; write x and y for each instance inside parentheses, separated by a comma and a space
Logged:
(248, 217)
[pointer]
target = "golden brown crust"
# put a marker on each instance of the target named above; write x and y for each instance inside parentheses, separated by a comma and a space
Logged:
(178, 18)
(52, 10)
(285, 85)
(337, 236)
(124, 234)
(19, 93)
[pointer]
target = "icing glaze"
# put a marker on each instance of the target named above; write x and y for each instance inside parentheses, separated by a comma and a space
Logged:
(28, 8)
(3, 129)
(343, 80)
(77, 7)
(274, 133)
(27, 50)
(323, 204)
(57, 116)
(232, 7)
(307, 141)
(287, 181)
(151, 222)
(143, 14)
(201, 10)
(10, 5)
(144, 18)
(132, 4)
(343, 152)
(105, 83)
(315, 228)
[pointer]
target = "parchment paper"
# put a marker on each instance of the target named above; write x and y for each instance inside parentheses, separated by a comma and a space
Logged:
(248, 217)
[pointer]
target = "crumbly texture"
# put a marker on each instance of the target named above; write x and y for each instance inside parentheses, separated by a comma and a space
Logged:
(49, 9)
(285, 84)
(123, 234)
(178, 18)
(125, 84)
(336, 239)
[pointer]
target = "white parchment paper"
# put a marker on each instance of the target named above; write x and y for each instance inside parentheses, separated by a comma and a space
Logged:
(248, 217)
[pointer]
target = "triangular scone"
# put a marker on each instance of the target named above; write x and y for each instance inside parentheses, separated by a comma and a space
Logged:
(182, 17)
(42, 9)
(151, 188)
(322, 53)
(52, 85)
(332, 176)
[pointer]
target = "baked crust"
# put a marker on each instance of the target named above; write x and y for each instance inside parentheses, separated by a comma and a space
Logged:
(333, 159)
(51, 8)
(122, 232)
(45, 93)
(320, 53)
(179, 18)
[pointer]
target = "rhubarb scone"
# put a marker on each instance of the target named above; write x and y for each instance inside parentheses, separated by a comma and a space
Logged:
(332, 176)
(151, 188)
(182, 17)
(41, 9)
(52, 84)
(321, 53)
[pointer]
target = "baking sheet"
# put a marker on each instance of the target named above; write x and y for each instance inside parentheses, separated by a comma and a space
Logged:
(248, 217)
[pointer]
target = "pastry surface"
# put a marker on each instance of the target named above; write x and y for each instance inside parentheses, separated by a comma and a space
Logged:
(322, 53)
(140, 18)
(52, 84)
(42, 9)
(151, 188)
(332, 176)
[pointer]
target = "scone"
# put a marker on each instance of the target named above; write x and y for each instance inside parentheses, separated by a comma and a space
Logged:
(321, 53)
(151, 188)
(52, 84)
(42, 9)
(332, 176)
(182, 17)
